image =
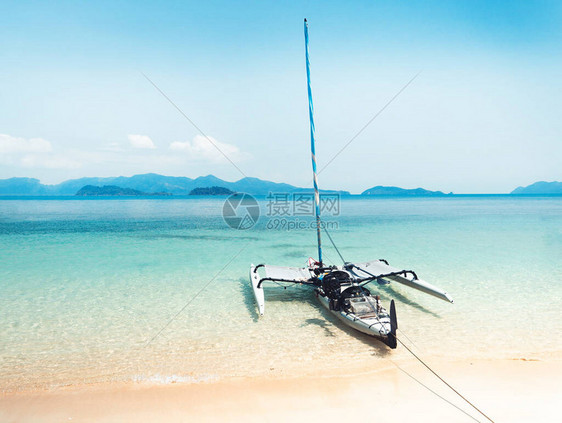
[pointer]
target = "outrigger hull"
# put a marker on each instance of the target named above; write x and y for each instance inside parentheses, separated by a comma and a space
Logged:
(258, 290)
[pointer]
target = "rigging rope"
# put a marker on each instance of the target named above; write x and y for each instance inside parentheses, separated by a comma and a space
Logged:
(193, 298)
(432, 371)
(435, 393)
(443, 380)
(328, 258)
(406, 336)
(334, 244)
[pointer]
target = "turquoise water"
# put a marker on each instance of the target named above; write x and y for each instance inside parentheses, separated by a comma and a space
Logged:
(102, 290)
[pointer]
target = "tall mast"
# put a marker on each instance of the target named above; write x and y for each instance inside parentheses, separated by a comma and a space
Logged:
(312, 146)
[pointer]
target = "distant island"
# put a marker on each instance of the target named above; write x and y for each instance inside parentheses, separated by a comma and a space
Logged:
(540, 188)
(401, 192)
(211, 191)
(155, 184)
(113, 190)
(150, 183)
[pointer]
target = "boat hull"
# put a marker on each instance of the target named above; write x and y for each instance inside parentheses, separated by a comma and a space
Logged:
(379, 328)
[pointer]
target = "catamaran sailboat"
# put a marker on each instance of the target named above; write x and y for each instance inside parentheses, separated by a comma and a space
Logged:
(343, 289)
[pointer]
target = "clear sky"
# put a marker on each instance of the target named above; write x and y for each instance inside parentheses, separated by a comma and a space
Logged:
(482, 116)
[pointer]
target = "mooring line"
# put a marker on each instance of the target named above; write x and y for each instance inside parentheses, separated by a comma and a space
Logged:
(411, 342)
(195, 296)
(443, 380)
(435, 393)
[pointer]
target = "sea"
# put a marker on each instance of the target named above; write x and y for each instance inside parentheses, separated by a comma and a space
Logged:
(155, 290)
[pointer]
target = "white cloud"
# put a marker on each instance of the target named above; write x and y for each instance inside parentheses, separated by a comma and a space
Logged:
(32, 153)
(15, 145)
(49, 161)
(141, 141)
(37, 157)
(203, 149)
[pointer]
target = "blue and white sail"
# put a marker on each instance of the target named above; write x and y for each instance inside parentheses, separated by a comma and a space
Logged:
(312, 146)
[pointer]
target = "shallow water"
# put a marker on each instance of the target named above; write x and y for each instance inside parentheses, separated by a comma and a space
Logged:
(97, 290)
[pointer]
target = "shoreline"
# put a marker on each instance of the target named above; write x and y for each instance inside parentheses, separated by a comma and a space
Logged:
(506, 390)
(355, 368)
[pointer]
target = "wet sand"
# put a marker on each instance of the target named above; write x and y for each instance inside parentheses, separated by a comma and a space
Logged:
(515, 390)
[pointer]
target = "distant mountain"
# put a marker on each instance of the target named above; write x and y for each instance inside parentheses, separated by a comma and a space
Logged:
(211, 191)
(401, 192)
(113, 190)
(149, 182)
(540, 188)
(17, 186)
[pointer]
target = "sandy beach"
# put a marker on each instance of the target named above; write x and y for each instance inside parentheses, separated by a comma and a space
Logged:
(517, 390)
